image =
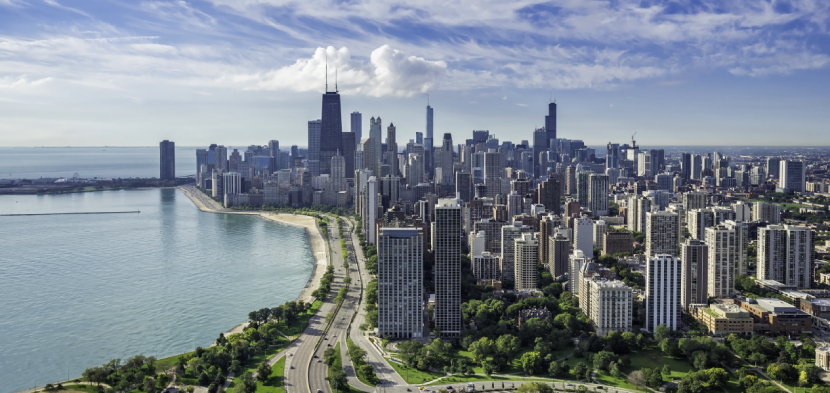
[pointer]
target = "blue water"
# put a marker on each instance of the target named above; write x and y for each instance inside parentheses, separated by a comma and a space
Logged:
(78, 290)
(90, 162)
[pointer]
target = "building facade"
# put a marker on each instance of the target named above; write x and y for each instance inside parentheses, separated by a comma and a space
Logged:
(400, 282)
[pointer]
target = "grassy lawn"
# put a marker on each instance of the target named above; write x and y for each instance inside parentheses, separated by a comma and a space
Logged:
(653, 358)
(301, 323)
(456, 379)
(413, 375)
(82, 388)
(338, 364)
(621, 383)
(254, 362)
(170, 361)
(274, 384)
(561, 353)
(359, 377)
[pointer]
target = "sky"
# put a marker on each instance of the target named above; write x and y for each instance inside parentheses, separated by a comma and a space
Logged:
(240, 72)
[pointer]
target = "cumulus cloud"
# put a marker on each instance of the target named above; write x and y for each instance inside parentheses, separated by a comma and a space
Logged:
(389, 72)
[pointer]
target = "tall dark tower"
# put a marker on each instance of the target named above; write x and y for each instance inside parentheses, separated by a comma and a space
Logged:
(167, 161)
(331, 140)
(550, 123)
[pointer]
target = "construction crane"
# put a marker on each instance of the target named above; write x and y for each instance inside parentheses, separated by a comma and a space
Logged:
(633, 142)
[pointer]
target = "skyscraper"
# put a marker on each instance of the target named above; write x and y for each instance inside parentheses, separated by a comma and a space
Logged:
(721, 261)
(428, 146)
(662, 233)
(167, 160)
(331, 127)
(785, 254)
(201, 159)
(792, 176)
(773, 167)
(273, 155)
(509, 234)
(527, 258)
(446, 246)
(598, 194)
(375, 134)
(313, 160)
(550, 123)
(558, 254)
(741, 230)
(446, 159)
(663, 292)
(348, 153)
(584, 236)
(400, 282)
(357, 127)
(694, 255)
(392, 148)
(492, 173)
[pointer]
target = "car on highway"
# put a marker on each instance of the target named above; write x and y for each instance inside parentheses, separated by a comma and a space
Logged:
(319, 361)
(315, 356)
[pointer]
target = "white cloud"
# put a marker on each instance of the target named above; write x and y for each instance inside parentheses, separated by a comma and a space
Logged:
(388, 73)
(21, 82)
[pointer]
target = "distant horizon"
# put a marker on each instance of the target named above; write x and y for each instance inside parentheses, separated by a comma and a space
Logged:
(401, 145)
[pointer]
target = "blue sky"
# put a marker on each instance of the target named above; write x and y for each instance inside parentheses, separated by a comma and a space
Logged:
(238, 72)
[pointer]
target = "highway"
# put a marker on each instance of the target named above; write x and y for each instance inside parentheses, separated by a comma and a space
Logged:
(300, 363)
(387, 375)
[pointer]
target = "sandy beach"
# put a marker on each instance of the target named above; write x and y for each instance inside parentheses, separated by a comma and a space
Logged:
(315, 239)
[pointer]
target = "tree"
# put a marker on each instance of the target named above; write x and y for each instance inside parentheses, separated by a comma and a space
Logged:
(508, 345)
(652, 377)
(666, 370)
(534, 387)
(532, 362)
(263, 372)
(555, 370)
(603, 360)
(579, 370)
(245, 384)
(203, 380)
(149, 384)
(162, 380)
(338, 380)
(779, 371)
(615, 371)
(756, 358)
(700, 359)
(717, 377)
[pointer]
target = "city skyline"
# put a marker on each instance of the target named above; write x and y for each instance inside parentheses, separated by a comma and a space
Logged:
(194, 73)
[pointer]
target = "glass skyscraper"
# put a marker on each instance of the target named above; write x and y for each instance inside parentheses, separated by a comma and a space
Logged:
(331, 127)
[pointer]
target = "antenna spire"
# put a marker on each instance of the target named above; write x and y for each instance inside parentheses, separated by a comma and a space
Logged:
(327, 72)
(335, 80)
(427, 99)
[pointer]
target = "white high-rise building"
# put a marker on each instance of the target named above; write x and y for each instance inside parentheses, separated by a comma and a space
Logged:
(598, 203)
(375, 131)
(663, 292)
(785, 254)
(694, 200)
(446, 246)
(487, 266)
(743, 211)
(611, 306)
(478, 243)
(509, 234)
(662, 230)
(527, 257)
(600, 229)
(577, 260)
(584, 236)
(767, 212)
(793, 177)
(232, 183)
(414, 169)
(400, 282)
(721, 261)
